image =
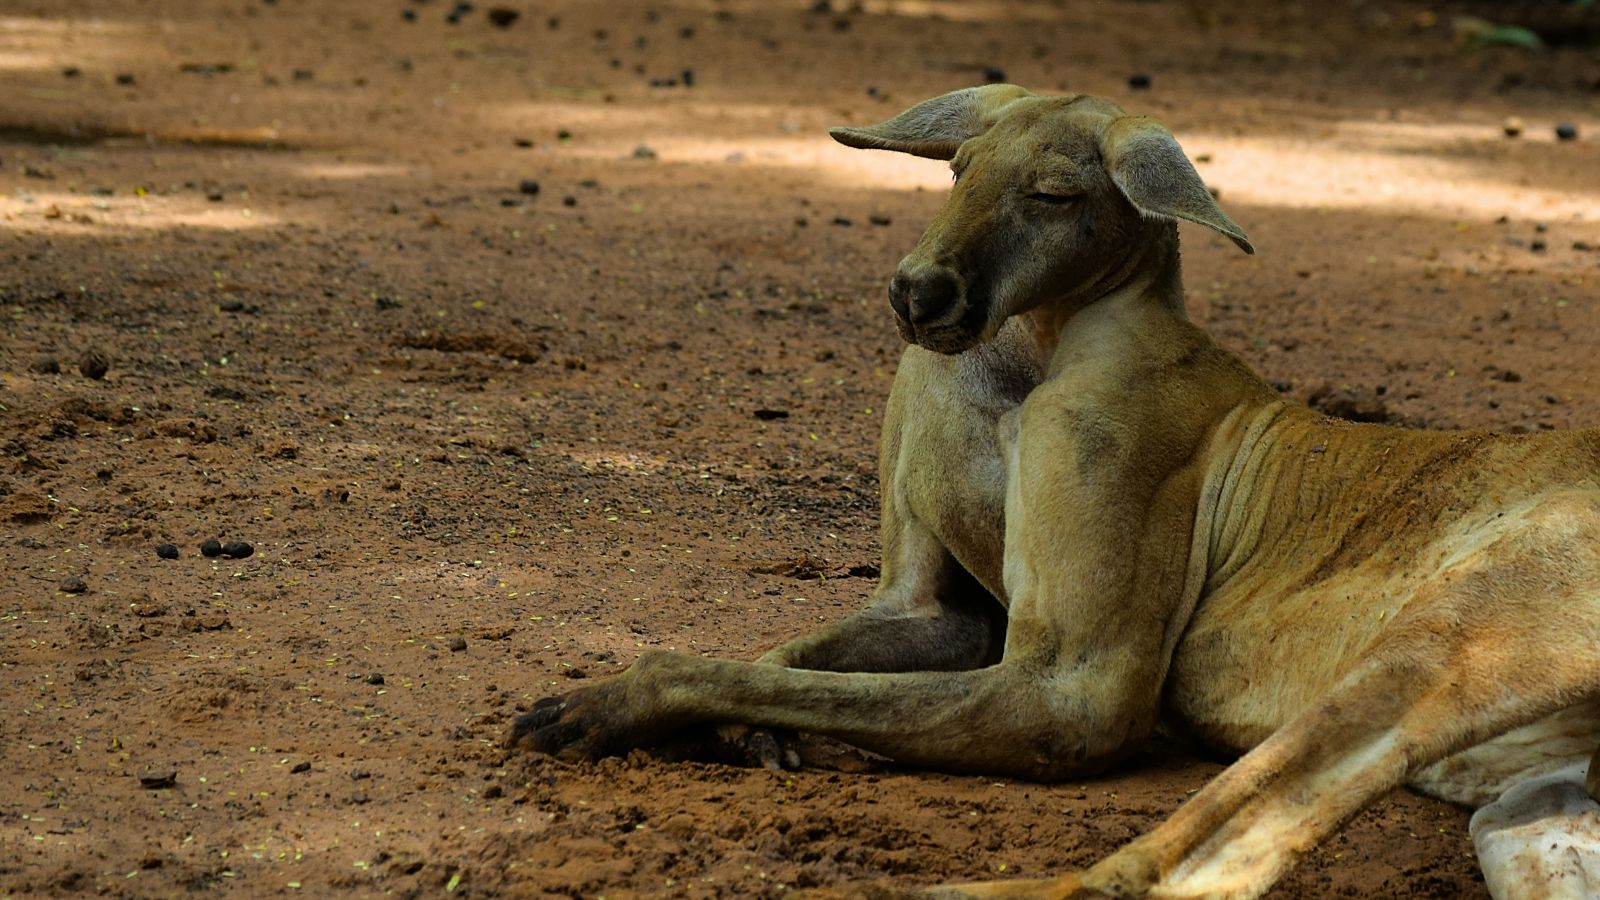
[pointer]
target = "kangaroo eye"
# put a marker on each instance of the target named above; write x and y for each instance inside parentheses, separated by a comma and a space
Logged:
(1053, 199)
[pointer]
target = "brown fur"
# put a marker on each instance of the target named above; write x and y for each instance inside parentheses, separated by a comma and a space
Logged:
(1097, 520)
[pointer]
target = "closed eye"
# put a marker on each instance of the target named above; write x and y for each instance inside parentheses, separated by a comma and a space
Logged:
(1053, 199)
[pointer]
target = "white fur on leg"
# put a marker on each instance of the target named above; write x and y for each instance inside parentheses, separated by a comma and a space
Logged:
(1541, 839)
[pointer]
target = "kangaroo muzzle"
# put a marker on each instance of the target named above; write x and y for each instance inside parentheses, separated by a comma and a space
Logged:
(930, 302)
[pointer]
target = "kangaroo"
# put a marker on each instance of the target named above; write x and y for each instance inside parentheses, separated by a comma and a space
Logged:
(1097, 522)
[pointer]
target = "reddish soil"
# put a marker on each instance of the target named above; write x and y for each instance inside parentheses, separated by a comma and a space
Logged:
(442, 407)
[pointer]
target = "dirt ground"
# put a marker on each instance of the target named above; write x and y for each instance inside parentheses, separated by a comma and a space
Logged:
(515, 351)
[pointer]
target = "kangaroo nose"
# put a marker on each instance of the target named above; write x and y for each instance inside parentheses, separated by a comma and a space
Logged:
(923, 294)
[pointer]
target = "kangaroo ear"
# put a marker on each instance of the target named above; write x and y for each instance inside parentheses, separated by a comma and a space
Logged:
(935, 128)
(1147, 164)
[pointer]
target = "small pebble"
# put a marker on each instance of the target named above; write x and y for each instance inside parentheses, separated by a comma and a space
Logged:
(522, 142)
(644, 152)
(1139, 81)
(70, 72)
(1537, 245)
(375, 678)
(212, 621)
(456, 644)
(47, 365)
(301, 766)
(237, 549)
(125, 78)
(528, 186)
(1512, 126)
(159, 778)
(1566, 131)
(503, 17)
(410, 15)
(72, 584)
(93, 364)
(688, 78)
(211, 549)
(993, 74)
(569, 200)
(167, 551)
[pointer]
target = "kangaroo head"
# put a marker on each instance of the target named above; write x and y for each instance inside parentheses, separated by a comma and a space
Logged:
(1057, 200)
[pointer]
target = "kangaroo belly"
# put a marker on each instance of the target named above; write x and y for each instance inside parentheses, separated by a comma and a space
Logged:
(1254, 658)
(1263, 648)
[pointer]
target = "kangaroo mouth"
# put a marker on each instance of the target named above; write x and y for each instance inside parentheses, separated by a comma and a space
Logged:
(949, 341)
(950, 337)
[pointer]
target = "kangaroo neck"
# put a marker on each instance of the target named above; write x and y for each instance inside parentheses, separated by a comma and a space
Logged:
(1145, 290)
